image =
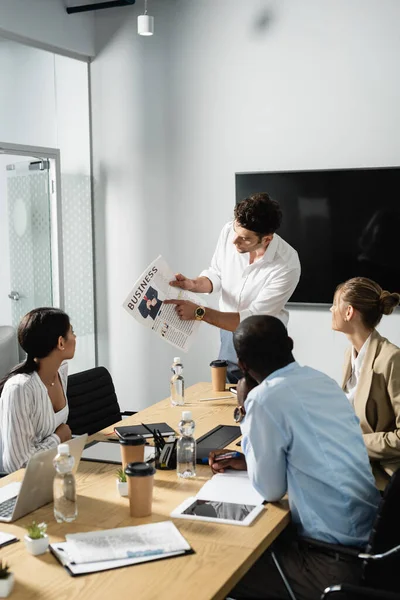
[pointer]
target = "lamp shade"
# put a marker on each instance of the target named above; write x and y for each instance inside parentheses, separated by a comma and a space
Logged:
(145, 25)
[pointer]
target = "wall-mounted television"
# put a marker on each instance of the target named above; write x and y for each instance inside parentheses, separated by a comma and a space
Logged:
(343, 223)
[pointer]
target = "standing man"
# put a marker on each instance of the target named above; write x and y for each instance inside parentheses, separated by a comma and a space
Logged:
(255, 270)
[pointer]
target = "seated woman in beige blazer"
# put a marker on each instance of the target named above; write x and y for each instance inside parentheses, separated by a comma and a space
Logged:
(371, 378)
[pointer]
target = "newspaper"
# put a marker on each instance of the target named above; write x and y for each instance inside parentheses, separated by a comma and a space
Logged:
(153, 539)
(145, 304)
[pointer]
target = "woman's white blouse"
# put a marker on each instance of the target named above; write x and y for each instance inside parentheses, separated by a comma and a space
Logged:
(356, 365)
(27, 418)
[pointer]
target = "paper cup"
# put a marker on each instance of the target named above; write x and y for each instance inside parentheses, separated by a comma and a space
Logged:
(132, 450)
(218, 375)
(140, 476)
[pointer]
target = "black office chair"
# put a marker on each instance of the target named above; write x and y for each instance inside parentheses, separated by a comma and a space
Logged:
(92, 401)
(380, 565)
(381, 560)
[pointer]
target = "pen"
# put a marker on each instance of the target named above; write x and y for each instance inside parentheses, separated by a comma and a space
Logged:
(216, 398)
(148, 429)
(227, 455)
(222, 457)
(160, 437)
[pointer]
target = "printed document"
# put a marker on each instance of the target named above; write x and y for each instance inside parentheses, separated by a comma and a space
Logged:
(145, 304)
(232, 486)
(154, 539)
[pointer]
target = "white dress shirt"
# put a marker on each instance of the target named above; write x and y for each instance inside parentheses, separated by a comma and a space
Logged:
(260, 288)
(356, 364)
(27, 418)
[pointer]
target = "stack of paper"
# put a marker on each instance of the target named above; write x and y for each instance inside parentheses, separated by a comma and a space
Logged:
(231, 486)
(113, 548)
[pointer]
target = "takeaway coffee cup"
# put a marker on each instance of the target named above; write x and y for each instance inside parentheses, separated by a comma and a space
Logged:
(218, 375)
(132, 449)
(140, 476)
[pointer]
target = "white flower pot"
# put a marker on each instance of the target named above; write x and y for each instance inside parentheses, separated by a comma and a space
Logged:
(122, 487)
(38, 546)
(6, 586)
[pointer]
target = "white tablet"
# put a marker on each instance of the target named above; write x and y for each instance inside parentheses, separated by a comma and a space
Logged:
(217, 512)
(110, 452)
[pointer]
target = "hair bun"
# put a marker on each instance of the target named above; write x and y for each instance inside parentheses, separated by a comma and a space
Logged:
(388, 302)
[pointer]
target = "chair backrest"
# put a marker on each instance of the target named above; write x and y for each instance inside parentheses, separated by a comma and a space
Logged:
(92, 401)
(385, 535)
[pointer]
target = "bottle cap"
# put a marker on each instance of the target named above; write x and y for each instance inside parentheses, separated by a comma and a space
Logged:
(177, 359)
(187, 415)
(139, 469)
(63, 449)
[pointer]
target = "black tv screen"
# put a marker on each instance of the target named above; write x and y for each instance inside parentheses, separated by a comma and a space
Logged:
(343, 223)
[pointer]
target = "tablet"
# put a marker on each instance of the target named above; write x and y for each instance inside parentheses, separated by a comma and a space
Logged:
(217, 512)
(110, 452)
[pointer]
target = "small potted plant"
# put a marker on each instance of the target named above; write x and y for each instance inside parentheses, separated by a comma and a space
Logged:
(36, 540)
(6, 580)
(122, 484)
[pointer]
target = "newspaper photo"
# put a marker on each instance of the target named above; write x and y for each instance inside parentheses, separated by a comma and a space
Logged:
(145, 304)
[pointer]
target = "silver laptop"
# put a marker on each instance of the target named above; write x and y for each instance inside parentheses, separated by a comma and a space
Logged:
(18, 499)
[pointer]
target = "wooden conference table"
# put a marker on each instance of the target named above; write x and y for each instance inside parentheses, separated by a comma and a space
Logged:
(223, 553)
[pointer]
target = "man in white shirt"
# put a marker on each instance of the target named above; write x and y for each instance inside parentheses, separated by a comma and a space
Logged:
(253, 268)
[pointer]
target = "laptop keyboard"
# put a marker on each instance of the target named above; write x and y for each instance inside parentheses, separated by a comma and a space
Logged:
(7, 507)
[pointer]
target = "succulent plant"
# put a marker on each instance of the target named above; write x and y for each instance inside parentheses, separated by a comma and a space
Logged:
(36, 530)
(4, 570)
(121, 475)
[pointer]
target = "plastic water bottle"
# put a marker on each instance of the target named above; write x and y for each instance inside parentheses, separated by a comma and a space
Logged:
(64, 488)
(186, 447)
(177, 383)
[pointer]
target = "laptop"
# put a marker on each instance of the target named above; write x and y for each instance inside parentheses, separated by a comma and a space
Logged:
(17, 499)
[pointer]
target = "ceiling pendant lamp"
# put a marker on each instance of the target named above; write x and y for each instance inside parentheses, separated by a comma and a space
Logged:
(145, 22)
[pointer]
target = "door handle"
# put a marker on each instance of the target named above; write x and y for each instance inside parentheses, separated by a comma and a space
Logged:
(14, 296)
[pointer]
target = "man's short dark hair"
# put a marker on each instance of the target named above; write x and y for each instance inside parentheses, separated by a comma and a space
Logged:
(259, 213)
(262, 343)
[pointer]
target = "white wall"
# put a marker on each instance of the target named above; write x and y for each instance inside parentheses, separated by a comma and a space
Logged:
(47, 24)
(132, 205)
(250, 86)
(5, 302)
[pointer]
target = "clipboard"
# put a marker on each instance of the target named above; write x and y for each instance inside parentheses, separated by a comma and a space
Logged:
(89, 552)
(58, 551)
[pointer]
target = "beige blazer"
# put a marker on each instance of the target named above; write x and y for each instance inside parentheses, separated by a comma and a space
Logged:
(377, 399)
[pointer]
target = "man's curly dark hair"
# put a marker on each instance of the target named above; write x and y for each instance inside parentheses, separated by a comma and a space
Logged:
(259, 213)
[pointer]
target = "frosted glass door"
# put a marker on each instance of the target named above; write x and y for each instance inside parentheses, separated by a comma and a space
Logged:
(29, 228)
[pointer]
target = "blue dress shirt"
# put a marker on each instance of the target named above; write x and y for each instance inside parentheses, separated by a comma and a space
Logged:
(301, 436)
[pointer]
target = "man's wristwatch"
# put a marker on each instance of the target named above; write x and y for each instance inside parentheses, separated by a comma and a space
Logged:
(199, 313)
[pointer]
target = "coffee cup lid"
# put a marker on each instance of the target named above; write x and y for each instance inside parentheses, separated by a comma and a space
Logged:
(139, 469)
(218, 363)
(132, 440)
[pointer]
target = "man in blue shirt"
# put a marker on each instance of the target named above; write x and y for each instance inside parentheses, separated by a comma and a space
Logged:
(301, 437)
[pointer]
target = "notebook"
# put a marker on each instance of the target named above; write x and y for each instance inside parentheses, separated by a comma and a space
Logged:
(127, 431)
